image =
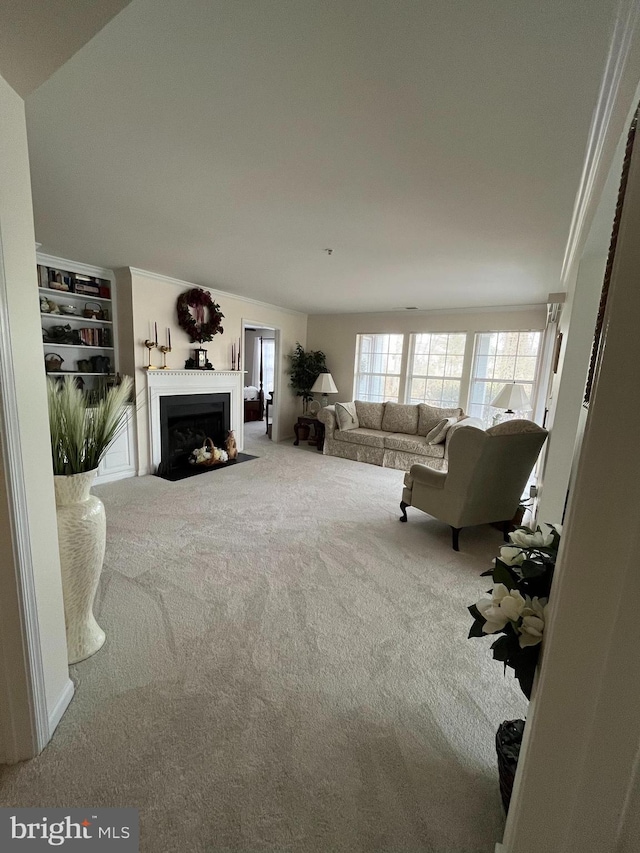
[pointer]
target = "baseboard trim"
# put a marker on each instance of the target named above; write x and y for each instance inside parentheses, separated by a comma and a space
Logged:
(111, 478)
(61, 706)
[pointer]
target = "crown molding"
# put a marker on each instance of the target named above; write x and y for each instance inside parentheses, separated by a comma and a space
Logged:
(605, 124)
(422, 312)
(223, 294)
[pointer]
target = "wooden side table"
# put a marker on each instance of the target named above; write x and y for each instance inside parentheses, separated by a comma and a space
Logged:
(318, 431)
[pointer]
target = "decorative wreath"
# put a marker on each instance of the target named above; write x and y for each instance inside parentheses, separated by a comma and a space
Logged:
(194, 324)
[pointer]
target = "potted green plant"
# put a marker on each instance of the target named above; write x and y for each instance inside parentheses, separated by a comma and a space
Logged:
(81, 433)
(305, 367)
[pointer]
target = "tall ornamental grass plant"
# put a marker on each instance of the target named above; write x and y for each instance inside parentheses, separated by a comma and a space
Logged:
(81, 432)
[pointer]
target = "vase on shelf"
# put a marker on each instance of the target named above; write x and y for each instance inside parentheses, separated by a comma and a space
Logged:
(81, 539)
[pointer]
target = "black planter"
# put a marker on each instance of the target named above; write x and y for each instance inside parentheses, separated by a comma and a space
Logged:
(508, 743)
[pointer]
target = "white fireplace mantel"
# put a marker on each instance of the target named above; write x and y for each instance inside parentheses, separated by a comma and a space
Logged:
(168, 383)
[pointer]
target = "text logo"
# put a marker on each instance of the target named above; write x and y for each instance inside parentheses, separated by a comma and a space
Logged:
(69, 829)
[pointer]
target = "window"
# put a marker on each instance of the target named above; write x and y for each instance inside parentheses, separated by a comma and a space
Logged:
(502, 357)
(266, 347)
(268, 364)
(377, 368)
(435, 369)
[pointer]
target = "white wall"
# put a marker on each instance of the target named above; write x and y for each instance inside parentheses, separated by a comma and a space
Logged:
(22, 347)
(152, 298)
(335, 334)
(566, 412)
(577, 789)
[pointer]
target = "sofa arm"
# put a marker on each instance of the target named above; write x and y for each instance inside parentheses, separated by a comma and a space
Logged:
(424, 475)
(328, 417)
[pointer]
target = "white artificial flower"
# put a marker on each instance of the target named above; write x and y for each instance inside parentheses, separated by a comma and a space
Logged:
(504, 606)
(511, 556)
(557, 528)
(531, 540)
(533, 621)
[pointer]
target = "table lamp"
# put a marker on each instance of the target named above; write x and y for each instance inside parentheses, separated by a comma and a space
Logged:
(511, 397)
(324, 385)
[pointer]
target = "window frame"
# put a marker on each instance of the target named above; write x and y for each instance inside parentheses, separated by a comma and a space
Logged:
(409, 375)
(535, 383)
(401, 371)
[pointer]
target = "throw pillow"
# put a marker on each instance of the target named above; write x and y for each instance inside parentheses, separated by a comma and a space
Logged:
(432, 415)
(369, 414)
(438, 434)
(346, 416)
(400, 418)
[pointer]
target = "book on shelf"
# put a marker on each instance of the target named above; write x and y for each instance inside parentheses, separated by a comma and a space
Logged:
(69, 282)
(95, 337)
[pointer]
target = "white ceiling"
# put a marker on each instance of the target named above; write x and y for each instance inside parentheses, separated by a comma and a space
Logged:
(435, 147)
(38, 36)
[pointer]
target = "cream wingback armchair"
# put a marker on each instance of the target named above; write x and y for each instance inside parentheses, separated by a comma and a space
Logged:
(485, 476)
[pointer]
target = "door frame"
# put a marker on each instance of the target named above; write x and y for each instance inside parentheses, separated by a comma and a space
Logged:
(24, 720)
(260, 324)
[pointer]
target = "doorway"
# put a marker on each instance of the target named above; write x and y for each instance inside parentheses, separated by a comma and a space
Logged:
(261, 353)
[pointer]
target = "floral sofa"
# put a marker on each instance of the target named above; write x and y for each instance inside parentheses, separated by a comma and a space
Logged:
(391, 434)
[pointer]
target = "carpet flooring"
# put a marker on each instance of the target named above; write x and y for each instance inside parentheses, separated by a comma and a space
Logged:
(286, 668)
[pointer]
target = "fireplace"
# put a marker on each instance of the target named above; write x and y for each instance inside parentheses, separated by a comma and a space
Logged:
(188, 385)
(186, 421)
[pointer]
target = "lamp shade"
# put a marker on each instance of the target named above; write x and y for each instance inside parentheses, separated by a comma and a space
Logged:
(512, 396)
(324, 384)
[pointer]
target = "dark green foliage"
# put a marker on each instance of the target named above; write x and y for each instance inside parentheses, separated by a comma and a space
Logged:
(305, 369)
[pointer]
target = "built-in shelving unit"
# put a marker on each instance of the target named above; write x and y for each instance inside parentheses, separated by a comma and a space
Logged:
(120, 459)
(88, 348)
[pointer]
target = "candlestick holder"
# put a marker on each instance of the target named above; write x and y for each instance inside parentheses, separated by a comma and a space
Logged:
(164, 350)
(150, 345)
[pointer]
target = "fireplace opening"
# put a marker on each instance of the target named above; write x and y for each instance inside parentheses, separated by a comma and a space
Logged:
(186, 421)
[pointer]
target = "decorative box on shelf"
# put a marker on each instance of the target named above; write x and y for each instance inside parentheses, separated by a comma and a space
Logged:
(73, 282)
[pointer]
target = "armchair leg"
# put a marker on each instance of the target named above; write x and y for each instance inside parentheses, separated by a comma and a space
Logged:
(506, 528)
(403, 508)
(455, 533)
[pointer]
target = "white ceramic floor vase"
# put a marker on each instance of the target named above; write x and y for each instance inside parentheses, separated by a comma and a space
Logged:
(81, 537)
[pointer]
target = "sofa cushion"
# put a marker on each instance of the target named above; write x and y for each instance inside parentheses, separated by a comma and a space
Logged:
(429, 416)
(438, 434)
(370, 437)
(369, 414)
(413, 444)
(400, 418)
(346, 416)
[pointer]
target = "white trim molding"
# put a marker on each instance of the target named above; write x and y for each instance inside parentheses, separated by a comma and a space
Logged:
(607, 125)
(26, 726)
(56, 713)
(169, 383)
